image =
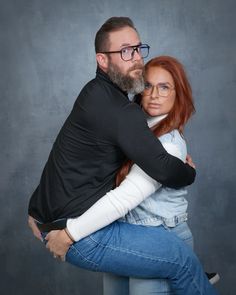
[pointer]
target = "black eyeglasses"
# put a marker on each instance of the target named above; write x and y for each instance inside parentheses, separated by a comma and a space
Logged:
(127, 53)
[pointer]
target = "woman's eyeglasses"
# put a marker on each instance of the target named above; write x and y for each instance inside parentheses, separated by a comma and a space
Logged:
(163, 89)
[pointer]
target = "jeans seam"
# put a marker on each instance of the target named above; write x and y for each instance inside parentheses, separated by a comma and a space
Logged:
(72, 247)
(150, 258)
(130, 251)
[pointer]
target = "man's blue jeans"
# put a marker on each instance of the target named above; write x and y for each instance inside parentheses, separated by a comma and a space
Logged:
(120, 285)
(145, 252)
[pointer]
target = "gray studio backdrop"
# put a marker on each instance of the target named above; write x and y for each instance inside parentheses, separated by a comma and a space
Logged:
(46, 56)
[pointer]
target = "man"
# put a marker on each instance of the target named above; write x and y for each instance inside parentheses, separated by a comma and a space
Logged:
(102, 130)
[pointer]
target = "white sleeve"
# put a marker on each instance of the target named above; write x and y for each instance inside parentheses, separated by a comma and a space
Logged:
(136, 187)
(116, 203)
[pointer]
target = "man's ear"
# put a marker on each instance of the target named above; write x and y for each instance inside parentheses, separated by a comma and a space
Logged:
(102, 61)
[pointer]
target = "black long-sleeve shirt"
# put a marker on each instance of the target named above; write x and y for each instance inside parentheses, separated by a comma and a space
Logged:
(103, 129)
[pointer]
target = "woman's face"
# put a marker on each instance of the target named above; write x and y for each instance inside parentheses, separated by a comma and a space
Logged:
(159, 95)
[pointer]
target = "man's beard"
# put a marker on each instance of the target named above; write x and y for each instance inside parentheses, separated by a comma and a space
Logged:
(126, 82)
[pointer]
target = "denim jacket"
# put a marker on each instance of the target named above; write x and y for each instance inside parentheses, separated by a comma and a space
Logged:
(166, 206)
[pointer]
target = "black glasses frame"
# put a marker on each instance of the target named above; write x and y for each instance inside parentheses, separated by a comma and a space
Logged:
(134, 47)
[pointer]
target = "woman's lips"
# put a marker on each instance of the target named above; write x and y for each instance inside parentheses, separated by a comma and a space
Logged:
(154, 105)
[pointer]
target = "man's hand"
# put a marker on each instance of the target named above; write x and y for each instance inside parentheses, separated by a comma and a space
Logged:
(189, 161)
(34, 228)
(58, 242)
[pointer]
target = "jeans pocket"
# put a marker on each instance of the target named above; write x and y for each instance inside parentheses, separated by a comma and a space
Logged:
(81, 254)
(184, 233)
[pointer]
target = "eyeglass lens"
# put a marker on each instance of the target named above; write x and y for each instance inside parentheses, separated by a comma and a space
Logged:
(127, 53)
(162, 89)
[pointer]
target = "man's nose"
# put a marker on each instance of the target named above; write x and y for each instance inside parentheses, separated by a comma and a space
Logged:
(137, 54)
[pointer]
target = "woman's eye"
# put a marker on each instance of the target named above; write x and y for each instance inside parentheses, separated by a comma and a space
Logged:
(164, 87)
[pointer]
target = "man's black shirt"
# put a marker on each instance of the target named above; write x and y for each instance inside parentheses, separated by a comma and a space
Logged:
(103, 129)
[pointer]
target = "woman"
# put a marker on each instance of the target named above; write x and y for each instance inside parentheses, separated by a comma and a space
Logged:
(167, 100)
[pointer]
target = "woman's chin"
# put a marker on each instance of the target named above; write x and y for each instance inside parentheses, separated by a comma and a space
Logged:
(153, 113)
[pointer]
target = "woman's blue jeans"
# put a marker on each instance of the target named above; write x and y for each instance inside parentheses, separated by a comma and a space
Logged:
(120, 285)
(145, 252)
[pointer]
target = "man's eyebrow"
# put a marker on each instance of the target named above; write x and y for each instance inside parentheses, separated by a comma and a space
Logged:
(125, 44)
(128, 44)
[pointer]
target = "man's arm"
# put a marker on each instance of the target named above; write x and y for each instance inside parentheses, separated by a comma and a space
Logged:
(136, 187)
(140, 145)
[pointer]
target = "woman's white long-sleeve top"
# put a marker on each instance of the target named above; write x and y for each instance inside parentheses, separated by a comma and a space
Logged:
(135, 188)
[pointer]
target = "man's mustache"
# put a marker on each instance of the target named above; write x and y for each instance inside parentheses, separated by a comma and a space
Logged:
(136, 67)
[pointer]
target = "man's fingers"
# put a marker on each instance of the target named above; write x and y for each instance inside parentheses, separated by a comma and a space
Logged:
(190, 162)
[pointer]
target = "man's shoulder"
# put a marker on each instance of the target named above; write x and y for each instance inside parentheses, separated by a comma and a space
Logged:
(108, 95)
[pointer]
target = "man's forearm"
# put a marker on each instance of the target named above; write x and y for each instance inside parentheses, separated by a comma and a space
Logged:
(179, 174)
(140, 145)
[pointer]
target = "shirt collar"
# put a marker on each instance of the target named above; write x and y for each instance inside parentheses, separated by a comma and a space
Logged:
(154, 120)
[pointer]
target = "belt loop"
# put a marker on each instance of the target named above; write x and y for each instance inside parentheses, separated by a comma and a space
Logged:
(176, 220)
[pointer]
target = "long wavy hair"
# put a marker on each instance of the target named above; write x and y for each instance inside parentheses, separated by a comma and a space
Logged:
(181, 111)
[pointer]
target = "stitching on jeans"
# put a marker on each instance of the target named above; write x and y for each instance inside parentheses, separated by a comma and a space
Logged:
(152, 259)
(83, 257)
(131, 252)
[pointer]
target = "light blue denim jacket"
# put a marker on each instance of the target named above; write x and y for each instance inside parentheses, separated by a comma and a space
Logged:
(166, 206)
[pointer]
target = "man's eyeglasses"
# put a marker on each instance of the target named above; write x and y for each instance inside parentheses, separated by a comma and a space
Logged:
(127, 53)
(163, 89)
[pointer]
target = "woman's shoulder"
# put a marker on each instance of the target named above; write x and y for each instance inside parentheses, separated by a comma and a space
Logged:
(173, 136)
(174, 143)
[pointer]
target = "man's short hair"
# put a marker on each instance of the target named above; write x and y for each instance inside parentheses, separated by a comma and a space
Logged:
(111, 25)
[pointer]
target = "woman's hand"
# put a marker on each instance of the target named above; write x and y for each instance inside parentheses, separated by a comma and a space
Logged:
(34, 228)
(58, 243)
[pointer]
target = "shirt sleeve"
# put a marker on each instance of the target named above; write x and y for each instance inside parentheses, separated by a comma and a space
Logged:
(140, 145)
(136, 187)
(129, 194)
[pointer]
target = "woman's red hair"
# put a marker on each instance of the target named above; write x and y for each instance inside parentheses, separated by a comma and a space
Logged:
(182, 109)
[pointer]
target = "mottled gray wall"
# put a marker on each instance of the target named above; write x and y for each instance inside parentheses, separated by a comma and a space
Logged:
(46, 56)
